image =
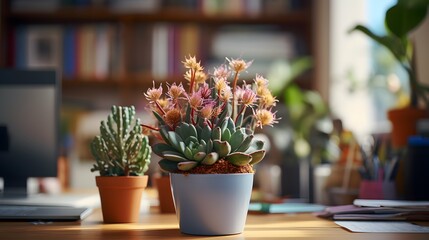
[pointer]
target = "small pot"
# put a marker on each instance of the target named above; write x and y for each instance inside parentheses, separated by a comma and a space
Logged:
(211, 204)
(121, 197)
(165, 197)
(404, 124)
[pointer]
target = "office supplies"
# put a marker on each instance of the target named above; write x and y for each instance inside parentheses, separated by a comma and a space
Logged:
(365, 210)
(285, 207)
(44, 213)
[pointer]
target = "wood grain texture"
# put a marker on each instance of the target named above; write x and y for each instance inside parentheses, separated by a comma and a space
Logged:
(165, 226)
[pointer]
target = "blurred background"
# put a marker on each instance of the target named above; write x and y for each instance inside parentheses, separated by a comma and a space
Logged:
(334, 86)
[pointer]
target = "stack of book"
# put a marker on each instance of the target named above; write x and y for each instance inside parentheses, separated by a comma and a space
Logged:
(369, 210)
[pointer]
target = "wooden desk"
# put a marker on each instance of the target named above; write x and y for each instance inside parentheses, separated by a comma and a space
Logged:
(165, 226)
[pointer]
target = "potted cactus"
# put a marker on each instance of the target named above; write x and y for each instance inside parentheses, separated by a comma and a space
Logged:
(209, 147)
(122, 155)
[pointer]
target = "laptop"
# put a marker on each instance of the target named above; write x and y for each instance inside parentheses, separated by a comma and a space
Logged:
(43, 213)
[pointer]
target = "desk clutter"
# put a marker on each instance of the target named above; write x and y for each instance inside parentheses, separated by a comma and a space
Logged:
(370, 209)
(380, 216)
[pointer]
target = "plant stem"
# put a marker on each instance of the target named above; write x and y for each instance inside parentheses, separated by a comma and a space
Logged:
(238, 115)
(234, 85)
(413, 85)
(150, 127)
(192, 116)
(160, 108)
(191, 84)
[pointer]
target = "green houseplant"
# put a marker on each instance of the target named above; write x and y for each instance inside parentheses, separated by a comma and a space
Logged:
(122, 155)
(209, 147)
(304, 109)
(400, 20)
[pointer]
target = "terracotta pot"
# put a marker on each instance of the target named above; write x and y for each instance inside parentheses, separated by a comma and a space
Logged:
(121, 197)
(163, 186)
(404, 121)
(212, 204)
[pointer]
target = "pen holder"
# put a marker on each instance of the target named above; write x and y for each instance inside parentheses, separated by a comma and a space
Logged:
(377, 190)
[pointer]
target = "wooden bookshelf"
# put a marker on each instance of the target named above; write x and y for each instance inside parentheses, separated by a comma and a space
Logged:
(76, 15)
(297, 22)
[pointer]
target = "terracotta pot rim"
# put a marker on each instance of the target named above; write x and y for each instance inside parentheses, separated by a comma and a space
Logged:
(408, 109)
(124, 182)
(121, 176)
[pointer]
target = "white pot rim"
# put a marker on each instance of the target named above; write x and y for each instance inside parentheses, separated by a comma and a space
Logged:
(211, 174)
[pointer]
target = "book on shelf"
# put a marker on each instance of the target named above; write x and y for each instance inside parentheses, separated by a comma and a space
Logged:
(260, 43)
(85, 51)
(139, 62)
(82, 51)
(133, 6)
(105, 51)
(160, 51)
(69, 53)
(102, 54)
(35, 6)
(171, 43)
(205, 7)
(42, 48)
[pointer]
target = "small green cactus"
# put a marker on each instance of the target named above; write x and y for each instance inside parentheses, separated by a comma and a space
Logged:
(121, 150)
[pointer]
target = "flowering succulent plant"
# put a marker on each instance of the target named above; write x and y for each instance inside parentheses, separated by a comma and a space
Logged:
(213, 120)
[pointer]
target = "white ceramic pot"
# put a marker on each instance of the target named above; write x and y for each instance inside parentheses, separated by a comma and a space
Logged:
(211, 204)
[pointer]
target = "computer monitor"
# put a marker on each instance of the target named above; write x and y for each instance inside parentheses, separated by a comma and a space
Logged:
(29, 127)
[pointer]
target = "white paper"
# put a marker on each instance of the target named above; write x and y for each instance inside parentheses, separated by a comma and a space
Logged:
(382, 227)
(390, 203)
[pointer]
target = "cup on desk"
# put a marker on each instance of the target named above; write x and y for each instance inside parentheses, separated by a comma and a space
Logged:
(377, 189)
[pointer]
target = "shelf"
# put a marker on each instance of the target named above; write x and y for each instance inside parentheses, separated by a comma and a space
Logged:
(127, 80)
(144, 83)
(114, 83)
(183, 16)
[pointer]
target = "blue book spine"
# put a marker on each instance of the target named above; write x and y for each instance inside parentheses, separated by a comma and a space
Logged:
(69, 52)
(21, 47)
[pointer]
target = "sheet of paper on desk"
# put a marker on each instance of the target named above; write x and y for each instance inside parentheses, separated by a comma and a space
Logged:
(390, 203)
(382, 227)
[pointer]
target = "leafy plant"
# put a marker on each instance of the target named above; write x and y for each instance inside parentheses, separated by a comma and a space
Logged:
(213, 120)
(304, 107)
(400, 20)
(121, 149)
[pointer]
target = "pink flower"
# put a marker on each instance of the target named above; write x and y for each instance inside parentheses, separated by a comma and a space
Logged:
(225, 94)
(265, 117)
(205, 91)
(248, 97)
(221, 72)
(261, 82)
(175, 91)
(207, 111)
(191, 63)
(153, 94)
(195, 100)
(239, 65)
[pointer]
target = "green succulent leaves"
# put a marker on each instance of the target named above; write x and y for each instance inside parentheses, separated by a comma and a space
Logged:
(121, 149)
(189, 146)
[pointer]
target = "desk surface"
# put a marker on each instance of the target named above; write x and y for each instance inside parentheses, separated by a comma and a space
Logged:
(165, 226)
